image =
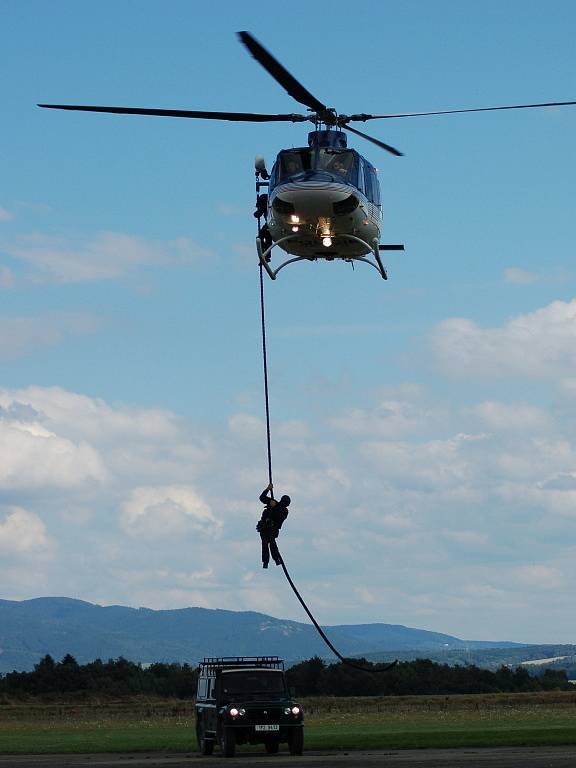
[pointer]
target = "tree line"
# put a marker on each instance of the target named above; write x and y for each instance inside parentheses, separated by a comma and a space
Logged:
(115, 677)
(421, 676)
(314, 677)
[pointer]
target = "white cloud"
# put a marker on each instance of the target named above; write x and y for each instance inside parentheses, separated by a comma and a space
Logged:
(168, 511)
(506, 417)
(246, 426)
(295, 429)
(23, 533)
(105, 256)
(22, 335)
(32, 456)
(567, 387)
(92, 418)
(520, 276)
(471, 539)
(407, 525)
(6, 277)
(539, 344)
(228, 209)
(5, 214)
(391, 418)
(539, 576)
(432, 465)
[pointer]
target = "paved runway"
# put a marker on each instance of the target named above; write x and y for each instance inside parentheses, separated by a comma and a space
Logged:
(504, 757)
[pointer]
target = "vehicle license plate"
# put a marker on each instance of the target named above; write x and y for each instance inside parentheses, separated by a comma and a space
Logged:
(267, 727)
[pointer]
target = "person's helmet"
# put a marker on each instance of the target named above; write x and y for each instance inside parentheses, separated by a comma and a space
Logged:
(285, 500)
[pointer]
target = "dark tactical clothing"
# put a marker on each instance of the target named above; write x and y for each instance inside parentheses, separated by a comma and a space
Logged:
(269, 527)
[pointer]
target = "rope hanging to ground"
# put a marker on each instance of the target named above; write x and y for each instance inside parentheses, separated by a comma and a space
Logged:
(343, 659)
(265, 359)
(337, 653)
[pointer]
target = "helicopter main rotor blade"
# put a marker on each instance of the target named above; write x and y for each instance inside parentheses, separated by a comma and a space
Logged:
(281, 74)
(247, 117)
(457, 111)
(378, 143)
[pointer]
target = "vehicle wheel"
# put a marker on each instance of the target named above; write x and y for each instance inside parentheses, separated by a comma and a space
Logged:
(272, 746)
(296, 742)
(228, 742)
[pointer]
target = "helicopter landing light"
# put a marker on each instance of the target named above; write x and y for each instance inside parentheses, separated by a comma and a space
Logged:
(295, 219)
(295, 229)
(327, 242)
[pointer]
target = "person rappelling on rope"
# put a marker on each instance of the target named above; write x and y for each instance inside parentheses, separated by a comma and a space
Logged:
(274, 514)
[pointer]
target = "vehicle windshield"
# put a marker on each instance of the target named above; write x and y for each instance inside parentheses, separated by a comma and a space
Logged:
(253, 685)
(339, 162)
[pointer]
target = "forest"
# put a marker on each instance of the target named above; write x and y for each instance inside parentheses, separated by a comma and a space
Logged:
(314, 677)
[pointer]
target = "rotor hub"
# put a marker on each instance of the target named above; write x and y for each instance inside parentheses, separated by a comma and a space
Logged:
(327, 139)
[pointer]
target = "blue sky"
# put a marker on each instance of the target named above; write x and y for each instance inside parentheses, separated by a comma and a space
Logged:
(424, 426)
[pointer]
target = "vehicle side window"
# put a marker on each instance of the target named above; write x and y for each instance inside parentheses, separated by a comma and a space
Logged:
(368, 181)
(371, 186)
(375, 188)
(202, 688)
(361, 185)
(273, 176)
(212, 688)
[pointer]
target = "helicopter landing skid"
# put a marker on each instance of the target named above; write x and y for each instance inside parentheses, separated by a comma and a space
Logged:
(264, 255)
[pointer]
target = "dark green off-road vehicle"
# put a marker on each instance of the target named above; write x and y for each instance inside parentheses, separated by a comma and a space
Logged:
(245, 700)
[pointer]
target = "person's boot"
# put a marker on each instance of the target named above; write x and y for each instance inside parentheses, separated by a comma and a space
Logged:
(264, 565)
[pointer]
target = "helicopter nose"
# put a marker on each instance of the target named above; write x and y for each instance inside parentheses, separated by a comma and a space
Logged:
(312, 199)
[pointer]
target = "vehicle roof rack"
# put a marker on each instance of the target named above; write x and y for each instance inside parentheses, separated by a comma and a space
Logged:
(212, 664)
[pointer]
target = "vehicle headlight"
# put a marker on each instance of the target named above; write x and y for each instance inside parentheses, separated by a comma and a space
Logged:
(295, 711)
(287, 710)
(241, 712)
(233, 712)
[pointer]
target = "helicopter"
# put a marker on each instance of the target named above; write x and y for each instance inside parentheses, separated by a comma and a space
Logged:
(322, 200)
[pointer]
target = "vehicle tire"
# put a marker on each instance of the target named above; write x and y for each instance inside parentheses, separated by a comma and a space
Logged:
(272, 746)
(228, 742)
(296, 741)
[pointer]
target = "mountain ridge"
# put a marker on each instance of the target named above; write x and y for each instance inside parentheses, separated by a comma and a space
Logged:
(30, 629)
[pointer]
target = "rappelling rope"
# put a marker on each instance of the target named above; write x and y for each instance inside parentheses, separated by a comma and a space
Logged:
(322, 634)
(265, 359)
(269, 447)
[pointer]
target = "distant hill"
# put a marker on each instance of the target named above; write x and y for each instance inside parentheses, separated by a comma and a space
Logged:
(536, 658)
(30, 629)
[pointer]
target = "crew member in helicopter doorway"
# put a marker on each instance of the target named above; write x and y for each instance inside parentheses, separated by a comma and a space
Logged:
(274, 514)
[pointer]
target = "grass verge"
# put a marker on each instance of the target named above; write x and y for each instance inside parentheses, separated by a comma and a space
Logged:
(371, 723)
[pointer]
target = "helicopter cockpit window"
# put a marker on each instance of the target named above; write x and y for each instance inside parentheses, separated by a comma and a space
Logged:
(295, 162)
(339, 163)
(371, 187)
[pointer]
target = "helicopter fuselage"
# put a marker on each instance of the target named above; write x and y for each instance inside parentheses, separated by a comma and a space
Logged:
(321, 195)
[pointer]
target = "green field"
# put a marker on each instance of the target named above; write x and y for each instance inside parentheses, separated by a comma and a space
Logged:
(399, 722)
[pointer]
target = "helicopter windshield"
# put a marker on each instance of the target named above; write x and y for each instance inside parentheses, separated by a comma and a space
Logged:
(337, 162)
(295, 162)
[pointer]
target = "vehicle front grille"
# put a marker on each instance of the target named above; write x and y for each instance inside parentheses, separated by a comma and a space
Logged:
(263, 715)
